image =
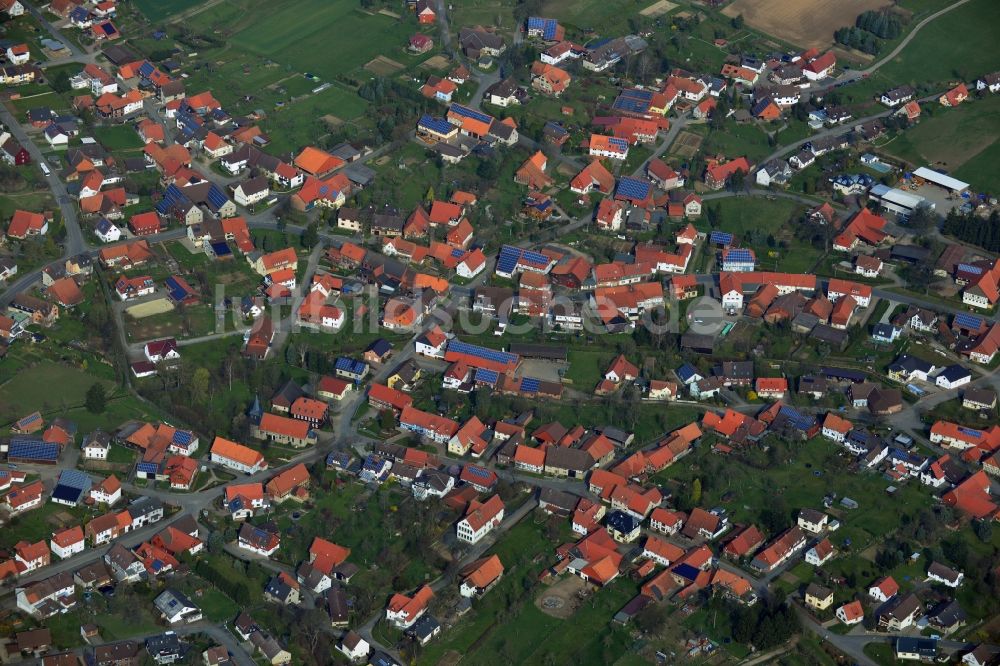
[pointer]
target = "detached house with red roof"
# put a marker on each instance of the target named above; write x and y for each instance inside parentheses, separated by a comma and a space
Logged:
(480, 576)
(24, 498)
(594, 176)
(611, 147)
(883, 589)
(289, 484)
(404, 611)
(548, 79)
(480, 519)
(865, 226)
(955, 96)
(68, 542)
(718, 174)
(532, 172)
(972, 497)
(820, 67)
(25, 223)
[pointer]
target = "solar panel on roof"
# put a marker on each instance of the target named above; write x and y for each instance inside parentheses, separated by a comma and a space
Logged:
(970, 432)
(183, 437)
(487, 376)
(720, 238)
(632, 188)
(619, 143)
(175, 291)
(459, 347)
(33, 450)
(147, 468)
(481, 472)
(969, 268)
(529, 385)
(67, 493)
(438, 125)
(738, 254)
(466, 112)
(74, 478)
(968, 321)
(217, 197)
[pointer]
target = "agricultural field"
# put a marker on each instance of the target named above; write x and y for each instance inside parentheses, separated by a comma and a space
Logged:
(934, 57)
(806, 23)
(158, 10)
(954, 138)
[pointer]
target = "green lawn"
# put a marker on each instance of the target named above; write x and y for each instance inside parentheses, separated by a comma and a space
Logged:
(737, 140)
(118, 137)
(586, 368)
(33, 389)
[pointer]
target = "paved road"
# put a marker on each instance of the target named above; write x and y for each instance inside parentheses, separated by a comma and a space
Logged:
(75, 242)
(53, 31)
(676, 125)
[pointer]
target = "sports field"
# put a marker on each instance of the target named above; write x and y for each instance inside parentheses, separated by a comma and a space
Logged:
(808, 23)
(325, 37)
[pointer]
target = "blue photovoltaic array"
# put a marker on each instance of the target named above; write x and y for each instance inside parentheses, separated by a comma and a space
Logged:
(970, 432)
(529, 385)
(720, 238)
(147, 468)
(799, 420)
(969, 268)
(632, 188)
(477, 471)
(438, 125)
(617, 142)
(216, 197)
(182, 437)
(739, 254)
(510, 256)
(968, 321)
(466, 112)
(175, 290)
(350, 365)
(487, 376)
(460, 347)
(33, 450)
(74, 478)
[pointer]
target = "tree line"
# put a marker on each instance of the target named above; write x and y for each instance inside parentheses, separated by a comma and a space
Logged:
(970, 228)
(868, 31)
